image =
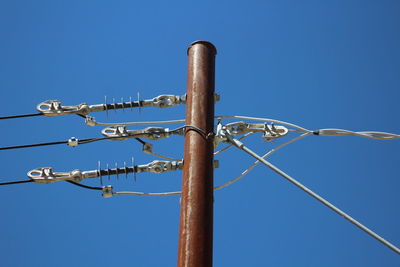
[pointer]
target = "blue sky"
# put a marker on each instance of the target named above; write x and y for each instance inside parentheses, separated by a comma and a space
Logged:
(318, 64)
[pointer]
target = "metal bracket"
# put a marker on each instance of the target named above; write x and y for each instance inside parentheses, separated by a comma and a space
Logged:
(107, 191)
(90, 121)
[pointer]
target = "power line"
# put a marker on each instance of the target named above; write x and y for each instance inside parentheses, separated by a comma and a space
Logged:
(21, 116)
(85, 186)
(33, 145)
(80, 142)
(17, 182)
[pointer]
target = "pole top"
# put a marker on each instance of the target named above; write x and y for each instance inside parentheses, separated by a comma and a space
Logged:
(206, 43)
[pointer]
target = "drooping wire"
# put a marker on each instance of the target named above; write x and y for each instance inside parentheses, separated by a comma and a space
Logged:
(161, 156)
(138, 123)
(85, 186)
(147, 194)
(241, 146)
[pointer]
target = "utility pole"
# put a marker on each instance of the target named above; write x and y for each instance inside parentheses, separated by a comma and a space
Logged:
(196, 215)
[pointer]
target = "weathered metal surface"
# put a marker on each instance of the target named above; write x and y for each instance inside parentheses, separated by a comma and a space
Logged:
(196, 220)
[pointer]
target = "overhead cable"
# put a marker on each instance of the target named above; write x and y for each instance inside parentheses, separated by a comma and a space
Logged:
(85, 186)
(21, 116)
(17, 182)
(71, 142)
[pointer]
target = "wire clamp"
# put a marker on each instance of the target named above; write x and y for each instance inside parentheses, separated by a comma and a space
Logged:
(46, 175)
(107, 191)
(90, 121)
(53, 108)
(73, 141)
(270, 131)
(164, 101)
(160, 166)
(122, 133)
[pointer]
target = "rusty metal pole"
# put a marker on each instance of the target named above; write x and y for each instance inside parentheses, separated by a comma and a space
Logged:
(196, 218)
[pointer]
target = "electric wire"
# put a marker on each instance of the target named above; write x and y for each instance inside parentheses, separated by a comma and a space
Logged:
(21, 116)
(85, 186)
(147, 194)
(241, 146)
(91, 140)
(80, 142)
(216, 117)
(138, 123)
(17, 182)
(161, 156)
(33, 145)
